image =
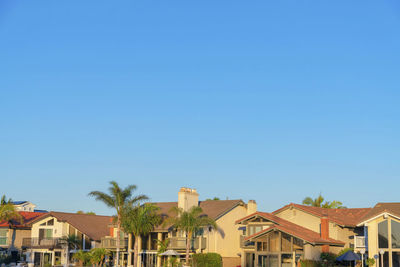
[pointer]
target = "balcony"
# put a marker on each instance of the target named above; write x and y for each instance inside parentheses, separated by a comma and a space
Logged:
(245, 244)
(179, 243)
(359, 242)
(35, 242)
(111, 243)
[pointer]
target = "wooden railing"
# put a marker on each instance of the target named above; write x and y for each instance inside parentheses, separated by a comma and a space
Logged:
(245, 244)
(180, 243)
(111, 242)
(35, 242)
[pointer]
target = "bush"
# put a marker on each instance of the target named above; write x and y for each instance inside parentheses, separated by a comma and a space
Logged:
(328, 259)
(6, 259)
(370, 261)
(309, 263)
(207, 260)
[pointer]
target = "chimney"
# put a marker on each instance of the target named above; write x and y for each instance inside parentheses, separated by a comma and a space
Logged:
(187, 198)
(111, 227)
(251, 207)
(325, 231)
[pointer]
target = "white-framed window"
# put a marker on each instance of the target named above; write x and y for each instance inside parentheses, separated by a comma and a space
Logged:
(3, 236)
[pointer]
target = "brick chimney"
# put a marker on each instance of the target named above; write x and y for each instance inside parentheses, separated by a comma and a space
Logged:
(187, 198)
(251, 207)
(325, 231)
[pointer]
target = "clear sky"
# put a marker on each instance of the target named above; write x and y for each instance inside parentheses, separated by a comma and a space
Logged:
(264, 100)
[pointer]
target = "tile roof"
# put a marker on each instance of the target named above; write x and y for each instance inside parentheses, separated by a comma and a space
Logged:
(94, 226)
(392, 208)
(212, 208)
(291, 229)
(346, 217)
(27, 218)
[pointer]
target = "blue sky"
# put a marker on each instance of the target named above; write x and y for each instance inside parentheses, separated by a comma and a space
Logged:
(264, 100)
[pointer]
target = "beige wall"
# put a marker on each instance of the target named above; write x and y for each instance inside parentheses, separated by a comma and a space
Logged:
(60, 229)
(312, 252)
(226, 240)
(301, 218)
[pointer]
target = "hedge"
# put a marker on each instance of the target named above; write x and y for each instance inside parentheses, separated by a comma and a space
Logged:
(207, 260)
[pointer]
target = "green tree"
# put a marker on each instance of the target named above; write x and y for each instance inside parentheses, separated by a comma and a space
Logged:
(319, 202)
(97, 256)
(83, 257)
(139, 221)
(189, 222)
(215, 198)
(9, 214)
(88, 212)
(118, 198)
(70, 242)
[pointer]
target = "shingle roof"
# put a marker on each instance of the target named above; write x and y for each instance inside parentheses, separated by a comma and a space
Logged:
(19, 202)
(346, 217)
(392, 208)
(27, 217)
(290, 228)
(94, 226)
(212, 208)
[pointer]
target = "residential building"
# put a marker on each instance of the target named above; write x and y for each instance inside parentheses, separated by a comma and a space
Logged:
(44, 246)
(24, 206)
(13, 232)
(296, 232)
(381, 236)
(225, 240)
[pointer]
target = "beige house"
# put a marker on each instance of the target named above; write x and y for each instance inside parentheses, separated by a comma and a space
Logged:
(12, 233)
(381, 238)
(44, 246)
(225, 240)
(296, 232)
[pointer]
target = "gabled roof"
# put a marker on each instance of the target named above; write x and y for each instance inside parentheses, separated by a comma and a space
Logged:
(392, 208)
(345, 217)
(214, 209)
(289, 228)
(94, 226)
(27, 219)
(18, 202)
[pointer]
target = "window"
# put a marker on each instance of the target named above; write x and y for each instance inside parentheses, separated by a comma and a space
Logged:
(286, 242)
(274, 242)
(297, 244)
(3, 236)
(395, 234)
(383, 234)
(51, 222)
(254, 229)
(286, 260)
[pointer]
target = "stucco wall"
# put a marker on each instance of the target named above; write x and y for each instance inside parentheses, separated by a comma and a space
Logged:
(59, 228)
(312, 252)
(226, 240)
(301, 218)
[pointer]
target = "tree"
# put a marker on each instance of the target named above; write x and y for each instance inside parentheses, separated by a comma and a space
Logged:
(319, 202)
(83, 257)
(97, 256)
(118, 198)
(189, 222)
(139, 221)
(9, 214)
(70, 242)
(215, 198)
(88, 212)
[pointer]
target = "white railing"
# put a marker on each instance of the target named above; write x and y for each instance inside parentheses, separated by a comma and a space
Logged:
(359, 241)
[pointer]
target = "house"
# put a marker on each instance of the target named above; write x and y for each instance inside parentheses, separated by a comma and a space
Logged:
(225, 240)
(381, 236)
(296, 232)
(24, 206)
(13, 232)
(45, 247)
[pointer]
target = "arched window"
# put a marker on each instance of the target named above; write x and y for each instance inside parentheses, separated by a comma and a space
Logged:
(383, 234)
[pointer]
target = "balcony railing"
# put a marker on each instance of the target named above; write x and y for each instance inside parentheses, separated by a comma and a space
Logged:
(111, 242)
(35, 242)
(359, 241)
(179, 243)
(245, 244)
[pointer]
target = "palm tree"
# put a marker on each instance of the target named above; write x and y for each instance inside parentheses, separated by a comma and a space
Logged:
(140, 221)
(97, 256)
(70, 242)
(9, 214)
(319, 202)
(117, 198)
(83, 257)
(189, 222)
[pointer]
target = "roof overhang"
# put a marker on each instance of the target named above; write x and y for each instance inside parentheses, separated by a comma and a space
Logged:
(382, 214)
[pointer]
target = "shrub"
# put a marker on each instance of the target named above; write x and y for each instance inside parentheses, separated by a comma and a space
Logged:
(309, 263)
(328, 259)
(6, 259)
(207, 260)
(370, 261)
(344, 251)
